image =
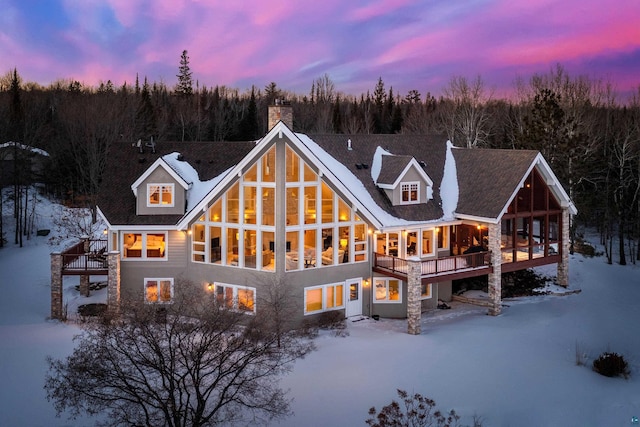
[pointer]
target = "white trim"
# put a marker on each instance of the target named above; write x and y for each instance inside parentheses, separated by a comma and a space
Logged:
(430, 296)
(235, 289)
(386, 280)
(158, 163)
(143, 250)
(157, 279)
(161, 187)
(409, 184)
(323, 289)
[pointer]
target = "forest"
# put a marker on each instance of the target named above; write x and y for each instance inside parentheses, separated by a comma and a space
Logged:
(587, 131)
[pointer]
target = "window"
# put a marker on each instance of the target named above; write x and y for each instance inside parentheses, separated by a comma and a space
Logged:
(158, 291)
(160, 195)
(425, 290)
(323, 298)
(443, 237)
(388, 290)
(145, 246)
(410, 191)
(235, 297)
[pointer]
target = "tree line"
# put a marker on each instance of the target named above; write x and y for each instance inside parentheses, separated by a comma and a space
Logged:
(589, 135)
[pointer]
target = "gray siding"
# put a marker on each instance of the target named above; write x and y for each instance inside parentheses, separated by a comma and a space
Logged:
(160, 176)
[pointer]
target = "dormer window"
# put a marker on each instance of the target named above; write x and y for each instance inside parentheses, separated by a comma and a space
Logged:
(160, 195)
(410, 192)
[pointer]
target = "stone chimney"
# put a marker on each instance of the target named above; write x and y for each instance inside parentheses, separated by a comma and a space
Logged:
(281, 111)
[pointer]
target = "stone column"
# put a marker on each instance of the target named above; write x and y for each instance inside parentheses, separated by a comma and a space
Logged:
(495, 278)
(56, 286)
(84, 285)
(563, 265)
(113, 284)
(414, 307)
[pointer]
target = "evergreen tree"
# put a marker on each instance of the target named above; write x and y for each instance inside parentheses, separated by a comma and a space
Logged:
(145, 115)
(379, 98)
(248, 126)
(185, 82)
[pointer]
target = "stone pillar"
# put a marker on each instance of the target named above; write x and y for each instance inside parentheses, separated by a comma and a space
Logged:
(56, 286)
(113, 284)
(563, 265)
(84, 285)
(495, 278)
(414, 306)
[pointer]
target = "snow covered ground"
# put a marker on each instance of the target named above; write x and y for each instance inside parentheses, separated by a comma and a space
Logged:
(517, 369)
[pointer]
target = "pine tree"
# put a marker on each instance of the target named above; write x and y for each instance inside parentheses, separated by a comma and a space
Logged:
(185, 83)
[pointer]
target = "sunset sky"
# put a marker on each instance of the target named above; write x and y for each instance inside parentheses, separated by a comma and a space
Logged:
(411, 44)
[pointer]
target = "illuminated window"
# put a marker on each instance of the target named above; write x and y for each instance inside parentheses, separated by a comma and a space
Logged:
(158, 291)
(160, 195)
(388, 290)
(425, 290)
(144, 246)
(323, 298)
(410, 191)
(233, 297)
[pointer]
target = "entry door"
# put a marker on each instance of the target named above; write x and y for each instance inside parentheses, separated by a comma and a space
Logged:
(354, 297)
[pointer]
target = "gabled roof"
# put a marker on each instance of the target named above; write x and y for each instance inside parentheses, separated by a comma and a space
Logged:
(125, 165)
(480, 183)
(489, 179)
(394, 168)
(430, 148)
(161, 163)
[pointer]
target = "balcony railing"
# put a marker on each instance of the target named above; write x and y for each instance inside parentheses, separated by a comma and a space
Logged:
(434, 267)
(85, 256)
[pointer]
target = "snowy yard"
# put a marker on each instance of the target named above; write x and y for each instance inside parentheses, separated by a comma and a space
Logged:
(517, 369)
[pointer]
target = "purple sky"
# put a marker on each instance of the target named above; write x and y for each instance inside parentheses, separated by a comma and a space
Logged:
(411, 44)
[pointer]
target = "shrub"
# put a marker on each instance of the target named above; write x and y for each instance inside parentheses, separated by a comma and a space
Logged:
(611, 365)
(416, 410)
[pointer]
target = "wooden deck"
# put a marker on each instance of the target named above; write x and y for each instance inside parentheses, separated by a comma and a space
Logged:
(85, 258)
(446, 268)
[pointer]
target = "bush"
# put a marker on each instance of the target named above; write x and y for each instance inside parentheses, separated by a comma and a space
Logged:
(611, 365)
(416, 410)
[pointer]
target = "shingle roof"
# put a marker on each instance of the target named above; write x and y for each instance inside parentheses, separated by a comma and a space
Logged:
(125, 165)
(488, 178)
(392, 167)
(429, 148)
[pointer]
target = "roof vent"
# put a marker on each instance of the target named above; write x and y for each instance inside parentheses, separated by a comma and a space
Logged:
(422, 163)
(349, 144)
(180, 157)
(365, 166)
(358, 165)
(141, 159)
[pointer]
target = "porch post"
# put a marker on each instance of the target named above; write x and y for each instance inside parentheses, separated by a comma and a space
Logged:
(56, 285)
(414, 307)
(84, 285)
(84, 279)
(495, 278)
(563, 265)
(113, 284)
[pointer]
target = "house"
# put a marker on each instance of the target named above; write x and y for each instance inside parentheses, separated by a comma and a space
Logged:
(364, 224)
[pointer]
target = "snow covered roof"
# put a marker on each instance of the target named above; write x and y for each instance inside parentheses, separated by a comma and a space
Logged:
(466, 182)
(24, 147)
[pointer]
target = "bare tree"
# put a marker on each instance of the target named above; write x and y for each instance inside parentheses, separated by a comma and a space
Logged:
(464, 115)
(217, 368)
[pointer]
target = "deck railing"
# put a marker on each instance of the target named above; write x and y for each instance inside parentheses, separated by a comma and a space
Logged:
(436, 266)
(86, 255)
